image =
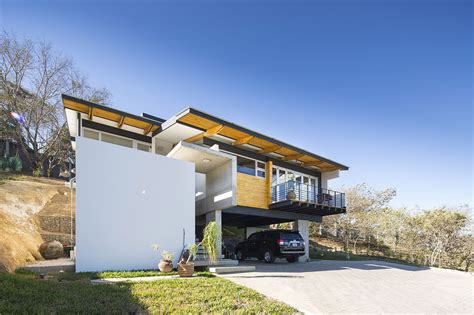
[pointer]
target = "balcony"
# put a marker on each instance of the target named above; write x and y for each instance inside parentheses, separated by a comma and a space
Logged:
(303, 198)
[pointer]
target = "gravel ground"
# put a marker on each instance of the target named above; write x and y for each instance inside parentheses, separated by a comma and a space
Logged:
(361, 287)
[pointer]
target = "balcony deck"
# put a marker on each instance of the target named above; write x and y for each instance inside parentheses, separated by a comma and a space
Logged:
(297, 197)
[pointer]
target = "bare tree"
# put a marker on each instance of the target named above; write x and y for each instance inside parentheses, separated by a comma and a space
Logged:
(32, 79)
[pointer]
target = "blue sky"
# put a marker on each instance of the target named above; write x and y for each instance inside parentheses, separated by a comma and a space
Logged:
(383, 87)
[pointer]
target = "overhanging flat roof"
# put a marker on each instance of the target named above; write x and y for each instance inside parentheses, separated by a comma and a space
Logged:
(211, 125)
(120, 118)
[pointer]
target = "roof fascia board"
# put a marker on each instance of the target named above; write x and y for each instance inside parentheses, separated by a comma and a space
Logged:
(109, 109)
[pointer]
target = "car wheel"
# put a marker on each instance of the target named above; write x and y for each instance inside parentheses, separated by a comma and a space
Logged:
(268, 256)
(239, 255)
(292, 259)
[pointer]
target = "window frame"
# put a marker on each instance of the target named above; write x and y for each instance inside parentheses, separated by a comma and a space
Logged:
(134, 142)
(294, 174)
(256, 167)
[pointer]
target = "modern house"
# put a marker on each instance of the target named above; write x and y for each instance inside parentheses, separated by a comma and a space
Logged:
(144, 179)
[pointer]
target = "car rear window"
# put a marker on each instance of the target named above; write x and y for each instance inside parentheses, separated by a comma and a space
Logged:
(290, 236)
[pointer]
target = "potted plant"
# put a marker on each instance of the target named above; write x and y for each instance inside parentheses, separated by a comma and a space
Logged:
(166, 262)
(210, 243)
(186, 265)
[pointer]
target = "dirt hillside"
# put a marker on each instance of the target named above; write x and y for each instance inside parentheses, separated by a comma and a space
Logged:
(32, 210)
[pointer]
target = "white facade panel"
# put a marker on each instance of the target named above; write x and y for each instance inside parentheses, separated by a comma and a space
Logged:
(128, 200)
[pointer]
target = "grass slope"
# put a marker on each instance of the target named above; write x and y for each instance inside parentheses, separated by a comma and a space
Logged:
(24, 293)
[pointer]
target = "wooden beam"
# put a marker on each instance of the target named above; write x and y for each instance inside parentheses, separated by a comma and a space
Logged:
(243, 140)
(121, 121)
(313, 163)
(292, 157)
(208, 133)
(148, 129)
(270, 149)
(91, 112)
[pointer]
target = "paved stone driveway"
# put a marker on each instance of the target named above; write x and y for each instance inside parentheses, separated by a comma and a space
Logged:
(361, 287)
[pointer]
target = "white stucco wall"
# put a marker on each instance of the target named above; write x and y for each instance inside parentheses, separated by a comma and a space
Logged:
(220, 190)
(327, 176)
(126, 201)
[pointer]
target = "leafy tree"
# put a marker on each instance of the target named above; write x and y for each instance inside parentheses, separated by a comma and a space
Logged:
(360, 221)
(437, 237)
(441, 231)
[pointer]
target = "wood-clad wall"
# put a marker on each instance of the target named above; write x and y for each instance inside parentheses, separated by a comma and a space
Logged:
(252, 191)
(269, 181)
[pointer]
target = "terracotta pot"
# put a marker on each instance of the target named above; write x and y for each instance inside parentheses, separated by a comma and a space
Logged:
(165, 266)
(186, 270)
(291, 195)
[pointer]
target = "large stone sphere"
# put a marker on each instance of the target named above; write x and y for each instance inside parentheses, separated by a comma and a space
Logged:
(51, 250)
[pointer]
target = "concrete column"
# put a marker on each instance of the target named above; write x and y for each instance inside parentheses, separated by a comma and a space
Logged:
(216, 216)
(153, 145)
(250, 230)
(303, 227)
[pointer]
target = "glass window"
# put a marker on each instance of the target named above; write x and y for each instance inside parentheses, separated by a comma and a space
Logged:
(291, 176)
(245, 166)
(288, 236)
(117, 140)
(282, 176)
(261, 169)
(274, 176)
(91, 134)
(143, 147)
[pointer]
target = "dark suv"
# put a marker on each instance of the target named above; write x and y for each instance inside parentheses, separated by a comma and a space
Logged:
(271, 244)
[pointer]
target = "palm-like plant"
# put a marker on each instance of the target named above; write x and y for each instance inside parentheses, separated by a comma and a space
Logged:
(210, 241)
(192, 251)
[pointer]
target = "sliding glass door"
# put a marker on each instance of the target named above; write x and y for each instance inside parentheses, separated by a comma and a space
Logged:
(284, 180)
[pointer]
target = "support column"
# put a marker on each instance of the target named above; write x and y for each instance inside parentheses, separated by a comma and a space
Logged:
(216, 216)
(153, 145)
(249, 230)
(303, 227)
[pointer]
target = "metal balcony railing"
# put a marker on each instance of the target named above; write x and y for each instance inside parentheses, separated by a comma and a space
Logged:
(293, 190)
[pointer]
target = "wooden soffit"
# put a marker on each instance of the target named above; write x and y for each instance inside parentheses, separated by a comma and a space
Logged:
(242, 136)
(119, 117)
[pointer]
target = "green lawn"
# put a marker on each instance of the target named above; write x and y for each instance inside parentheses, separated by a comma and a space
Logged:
(68, 293)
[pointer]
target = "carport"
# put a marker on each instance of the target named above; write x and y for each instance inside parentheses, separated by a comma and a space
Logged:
(252, 218)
